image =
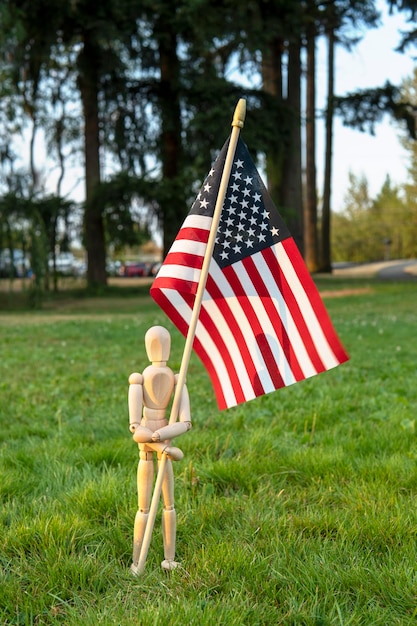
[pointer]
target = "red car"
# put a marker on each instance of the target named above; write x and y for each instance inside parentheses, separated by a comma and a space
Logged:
(131, 269)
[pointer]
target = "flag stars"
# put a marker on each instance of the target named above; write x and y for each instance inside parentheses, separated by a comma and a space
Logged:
(245, 226)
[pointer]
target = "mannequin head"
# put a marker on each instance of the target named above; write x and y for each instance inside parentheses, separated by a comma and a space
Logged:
(158, 344)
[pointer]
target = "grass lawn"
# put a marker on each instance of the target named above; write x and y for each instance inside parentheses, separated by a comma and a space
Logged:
(298, 508)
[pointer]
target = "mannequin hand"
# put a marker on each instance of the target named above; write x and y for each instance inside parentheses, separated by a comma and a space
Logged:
(142, 434)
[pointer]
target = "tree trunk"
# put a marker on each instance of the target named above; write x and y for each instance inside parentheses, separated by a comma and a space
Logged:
(172, 202)
(291, 189)
(283, 165)
(272, 84)
(93, 214)
(310, 210)
(325, 253)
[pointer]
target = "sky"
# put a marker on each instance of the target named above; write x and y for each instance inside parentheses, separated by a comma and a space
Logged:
(371, 63)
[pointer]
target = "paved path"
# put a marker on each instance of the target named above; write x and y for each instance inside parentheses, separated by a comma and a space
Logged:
(403, 270)
(387, 270)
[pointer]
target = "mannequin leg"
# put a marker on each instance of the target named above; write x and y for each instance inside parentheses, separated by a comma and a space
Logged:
(169, 520)
(145, 482)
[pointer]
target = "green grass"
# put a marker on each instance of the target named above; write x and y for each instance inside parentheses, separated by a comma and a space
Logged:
(298, 508)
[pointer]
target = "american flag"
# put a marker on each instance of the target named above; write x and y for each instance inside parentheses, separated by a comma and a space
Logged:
(262, 323)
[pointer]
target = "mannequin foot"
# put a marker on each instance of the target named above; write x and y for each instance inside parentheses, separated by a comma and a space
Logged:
(134, 569)
(169, 565)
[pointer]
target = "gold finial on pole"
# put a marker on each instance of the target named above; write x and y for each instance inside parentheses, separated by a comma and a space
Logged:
(240, 113)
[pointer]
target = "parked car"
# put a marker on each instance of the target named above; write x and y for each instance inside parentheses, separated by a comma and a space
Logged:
(21, 264)
(113, 267)
(132, 269)
(64, 263)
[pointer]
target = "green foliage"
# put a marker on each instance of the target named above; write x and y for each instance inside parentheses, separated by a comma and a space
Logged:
(296, 508)
(375, 229)
(364, 108)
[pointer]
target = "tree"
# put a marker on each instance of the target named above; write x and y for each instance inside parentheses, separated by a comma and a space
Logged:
(341, 20)
(40, 30)
(350, 234)
(310, 204)
(282, 45)
(409, 231)
(375, 229)
(155, 95)
(389, 219)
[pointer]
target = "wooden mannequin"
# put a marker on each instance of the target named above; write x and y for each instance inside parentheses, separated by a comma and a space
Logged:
(149, 396)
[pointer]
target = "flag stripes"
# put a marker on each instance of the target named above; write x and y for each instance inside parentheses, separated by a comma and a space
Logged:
(251, 339)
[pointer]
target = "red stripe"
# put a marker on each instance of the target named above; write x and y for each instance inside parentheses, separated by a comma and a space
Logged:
(210, 325)
(264, 292)
(294, 308)
(193, 234)
(315, 300)
(188, 259)
(170, 309)
(257, 329)
(212, 372)
(174, 283)
(233, 324)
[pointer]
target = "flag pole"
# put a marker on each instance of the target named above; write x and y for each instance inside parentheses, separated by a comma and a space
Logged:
(237, 123)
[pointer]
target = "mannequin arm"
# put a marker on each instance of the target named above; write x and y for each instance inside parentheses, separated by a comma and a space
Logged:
(171, 431)
(180, 427)
(135, 400)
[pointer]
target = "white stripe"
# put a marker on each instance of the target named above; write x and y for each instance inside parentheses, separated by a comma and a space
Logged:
(179, 272)
(194, 220)
(188, 246)
(284, 313)
(246, 328)
(185, 312)
(318, 337)
(266, 325)
(226, 331)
